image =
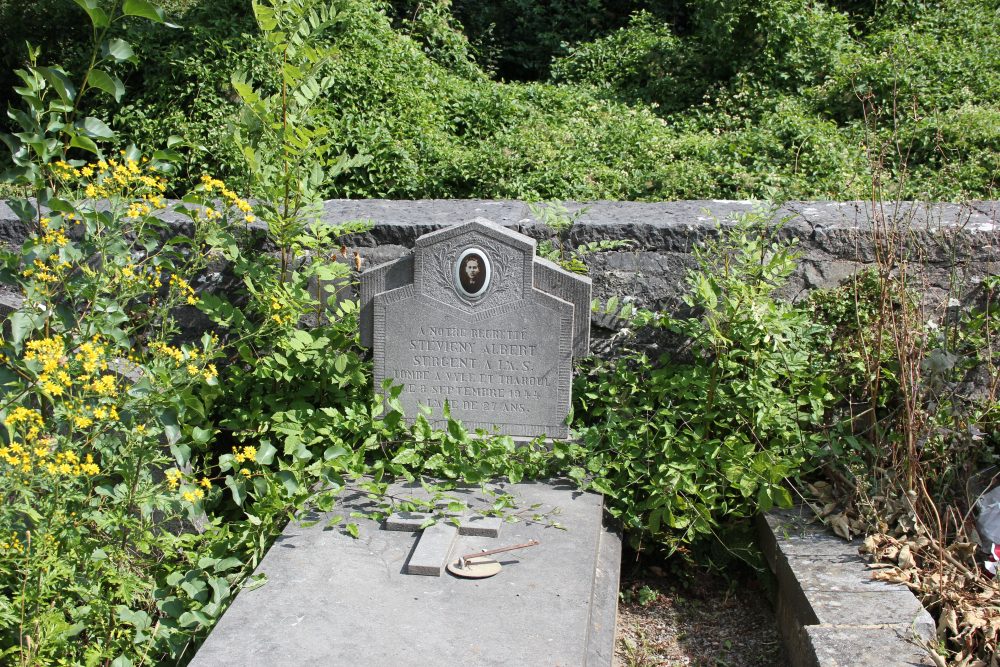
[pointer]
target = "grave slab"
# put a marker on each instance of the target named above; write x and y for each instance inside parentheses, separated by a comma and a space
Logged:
(334, 600)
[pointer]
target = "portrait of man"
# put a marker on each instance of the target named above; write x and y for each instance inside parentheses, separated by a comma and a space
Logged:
(473, 272)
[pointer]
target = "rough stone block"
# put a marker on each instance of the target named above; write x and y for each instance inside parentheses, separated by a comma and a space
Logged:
(408, 521)
(863, 647)
(830, 611)
(430, 556)
(480, 526)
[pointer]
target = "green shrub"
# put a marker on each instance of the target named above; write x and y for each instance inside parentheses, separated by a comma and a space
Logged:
(680, 445)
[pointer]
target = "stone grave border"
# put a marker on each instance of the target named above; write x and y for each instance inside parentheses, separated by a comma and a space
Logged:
(830, 612)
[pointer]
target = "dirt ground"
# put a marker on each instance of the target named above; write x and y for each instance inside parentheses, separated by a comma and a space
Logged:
(672, 616)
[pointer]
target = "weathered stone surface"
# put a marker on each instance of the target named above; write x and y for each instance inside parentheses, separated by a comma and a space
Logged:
(430, 555)
(957, 244)
(863, 647)
(498, 350)
(381, 278)
(548, 277)
(334, 600)
(576, 289)
(826, 593)
(406, 521)
(482, 526)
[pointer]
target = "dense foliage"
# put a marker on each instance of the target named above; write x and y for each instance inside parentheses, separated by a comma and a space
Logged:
(638, 100)
(709, 432)
(144, 472)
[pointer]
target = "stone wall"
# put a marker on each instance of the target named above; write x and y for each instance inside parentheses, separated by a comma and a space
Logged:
(957, 243)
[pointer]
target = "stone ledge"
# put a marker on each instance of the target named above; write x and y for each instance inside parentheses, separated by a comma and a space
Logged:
(957, 245)
(831, 613)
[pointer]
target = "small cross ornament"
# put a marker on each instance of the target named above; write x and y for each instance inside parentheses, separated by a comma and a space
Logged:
(430, 556)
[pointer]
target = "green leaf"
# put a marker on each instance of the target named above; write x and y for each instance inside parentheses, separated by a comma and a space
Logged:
(238, 489)
(80, 141)
(352, 530)
(201, 435)
(254, 582)
(145, 9)
(58, 79)
(196, 588)
(287, 478)
(335, 452)
(172, 433)
(407, 456)
(119, 50)
(227, 564)
(265, 453)
(21, 325)
(94, 127)
(98, 17)
(109, 83)
(139, 619)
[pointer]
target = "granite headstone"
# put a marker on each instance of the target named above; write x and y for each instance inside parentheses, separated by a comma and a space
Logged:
(475, 319)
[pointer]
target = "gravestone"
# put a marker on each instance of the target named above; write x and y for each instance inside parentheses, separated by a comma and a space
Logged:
(474, 319)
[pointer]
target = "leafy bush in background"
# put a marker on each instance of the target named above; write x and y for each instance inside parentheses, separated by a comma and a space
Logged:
(646, 100)
(685, 445)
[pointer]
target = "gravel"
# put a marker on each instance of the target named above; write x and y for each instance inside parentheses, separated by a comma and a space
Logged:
(688, 617)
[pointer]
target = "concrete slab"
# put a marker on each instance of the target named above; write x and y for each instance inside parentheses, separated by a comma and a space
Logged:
(334, 600)
(830, 611)
(882, 608)
(863, 647)
(480, 526)
(430, 555)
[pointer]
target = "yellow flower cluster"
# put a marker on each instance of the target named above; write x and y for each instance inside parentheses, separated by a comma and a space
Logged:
(27, 459)
(174, 478)
(104, 386)
(73, 386)
(50, 353)
(51, 268)
(26, 421)
(277, 310)
(52, 235)
(12, 544)
(185, 289)
(92, 356)
(231, 198)
(247, 453)
(185, 357)
(132, 276)
(108, 178)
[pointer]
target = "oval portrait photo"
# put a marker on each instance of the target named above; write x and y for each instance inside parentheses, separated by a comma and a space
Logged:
(472, 273)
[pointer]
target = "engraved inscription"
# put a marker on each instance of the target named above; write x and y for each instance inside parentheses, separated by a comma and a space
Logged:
(494, 373)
